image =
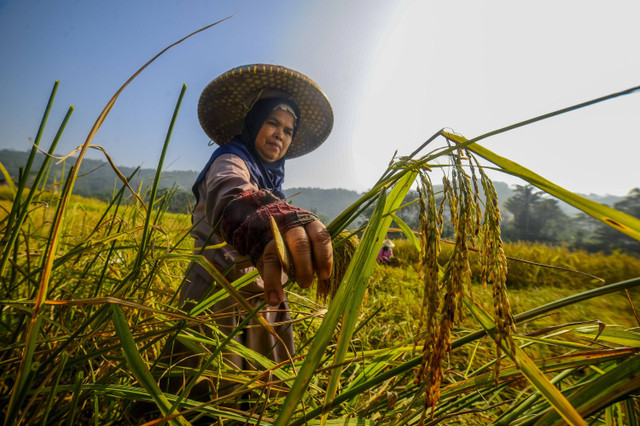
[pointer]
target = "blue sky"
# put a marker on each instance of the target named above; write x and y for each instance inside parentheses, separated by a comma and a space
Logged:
(395, 72)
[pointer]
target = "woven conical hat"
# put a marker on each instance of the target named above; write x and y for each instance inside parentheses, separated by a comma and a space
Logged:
(225, 102)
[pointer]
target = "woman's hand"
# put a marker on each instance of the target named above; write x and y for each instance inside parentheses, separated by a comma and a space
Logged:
(311, 253)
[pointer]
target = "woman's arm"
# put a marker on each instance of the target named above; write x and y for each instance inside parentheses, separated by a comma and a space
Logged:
(245, 213)
(226, 178)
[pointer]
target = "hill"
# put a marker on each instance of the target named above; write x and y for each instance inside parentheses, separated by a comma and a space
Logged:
(97, 179)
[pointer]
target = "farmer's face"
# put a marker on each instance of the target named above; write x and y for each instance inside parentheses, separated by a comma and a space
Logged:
(275, 135)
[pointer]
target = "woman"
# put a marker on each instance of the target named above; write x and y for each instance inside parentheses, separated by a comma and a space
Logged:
(259, 115)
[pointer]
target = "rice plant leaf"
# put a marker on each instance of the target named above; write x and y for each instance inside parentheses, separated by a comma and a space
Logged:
(605, 390)
(552, 342)
(193, 340)
(408, 232)
(363, 257)
(529, 369)
(77, 389)
(630, 412)
(610, 334)
(54, 239)
(379, 230)
(348, 298)
(8, 179)
(343, 422)
(228, 287)
(141, 394)
(533, 313)
(559, 363)
(518, 410)
(24, 211)
(138, 367)
(238, 284)
(26, 372)
(64, 356)
(154, 188)
(374, 367)
(616, 219)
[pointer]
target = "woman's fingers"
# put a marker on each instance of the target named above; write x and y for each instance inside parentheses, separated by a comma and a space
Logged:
(271, 273)
(322, 249)
(311, 252)
(299, 246)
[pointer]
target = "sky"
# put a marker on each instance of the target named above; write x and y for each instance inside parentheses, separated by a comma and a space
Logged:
(396, 72)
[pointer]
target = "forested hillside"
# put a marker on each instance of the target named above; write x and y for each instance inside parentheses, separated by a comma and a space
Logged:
(528, 215)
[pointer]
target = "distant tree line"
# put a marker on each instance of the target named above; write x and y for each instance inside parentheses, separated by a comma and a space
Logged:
(532, 216)
(539, 219)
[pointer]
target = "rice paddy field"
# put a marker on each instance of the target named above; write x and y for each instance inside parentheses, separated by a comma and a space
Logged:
(467, 331)
(109, 315)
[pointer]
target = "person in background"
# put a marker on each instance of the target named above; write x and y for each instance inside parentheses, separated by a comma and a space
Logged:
(385, 254)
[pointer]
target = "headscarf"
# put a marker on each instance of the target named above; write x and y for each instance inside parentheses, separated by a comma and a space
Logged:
(269, 176)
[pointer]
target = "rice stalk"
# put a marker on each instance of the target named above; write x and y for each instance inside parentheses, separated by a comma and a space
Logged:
(349, 296)
(19, 210)
(154, 189)
(357, 292)
(494, 270)
(430, 231)
(24, 175)
(77, 388)
(56, 381)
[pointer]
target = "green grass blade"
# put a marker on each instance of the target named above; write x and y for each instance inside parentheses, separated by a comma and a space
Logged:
(616, 219)
(56, 381)
(17, 205)
(611, 334)
(631, 414)
(26, 372)
(137, 365)
(77, 388)
(517, 411)
(529, 370)
(228, 287)
(343, 422)
(22, 182)
(348, 298)
(550, 364)
(8, 180)
(156, 180)
(22, 215)
(382, 220)
(207, 303)
(408, 232)
(326, 330)
(605, 390)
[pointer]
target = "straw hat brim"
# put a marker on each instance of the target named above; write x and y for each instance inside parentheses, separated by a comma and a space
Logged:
(225, 102)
